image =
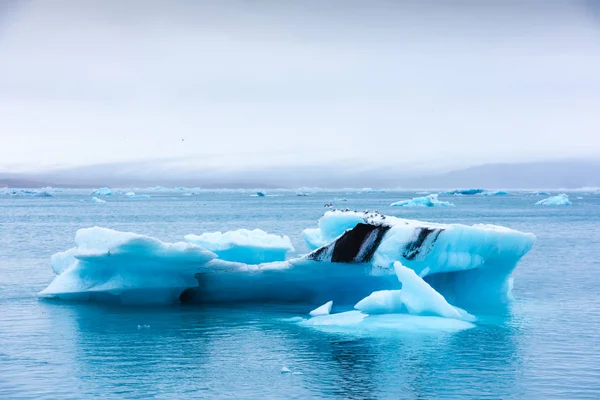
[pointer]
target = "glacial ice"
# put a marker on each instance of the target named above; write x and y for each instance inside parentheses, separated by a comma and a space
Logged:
(27, 193)
(103, 192)
(558, 200)
(108, 265)
(357, 323)
(464, 192)
(416, 297)
(495, 193)
(243, 245)
(469, 266)
(132, 195)
(325, 309)
(425, 201)
(382, 302)
(97, 200)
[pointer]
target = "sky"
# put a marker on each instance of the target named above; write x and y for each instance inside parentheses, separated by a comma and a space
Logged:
(422, 85)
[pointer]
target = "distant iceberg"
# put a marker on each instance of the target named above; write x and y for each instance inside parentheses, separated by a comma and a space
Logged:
(558, 200)
(363, 254)
(425, 201)
(28, 193)
(463, 192)
(97, 200)
(132, 195)
(260, 194)
(103, 192)
(495, 193)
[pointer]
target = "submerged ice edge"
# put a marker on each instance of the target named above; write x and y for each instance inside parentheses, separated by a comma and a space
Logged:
(468, 265)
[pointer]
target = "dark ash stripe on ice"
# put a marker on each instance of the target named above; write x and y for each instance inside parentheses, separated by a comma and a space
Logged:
(423, 243)
(355, 246)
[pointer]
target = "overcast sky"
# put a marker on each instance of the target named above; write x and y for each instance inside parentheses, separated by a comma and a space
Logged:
(271, 83)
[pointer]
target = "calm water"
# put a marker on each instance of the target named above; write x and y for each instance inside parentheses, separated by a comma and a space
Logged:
(546, 346)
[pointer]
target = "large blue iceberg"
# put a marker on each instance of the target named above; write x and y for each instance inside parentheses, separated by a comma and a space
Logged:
(356, 256)
(425, 201)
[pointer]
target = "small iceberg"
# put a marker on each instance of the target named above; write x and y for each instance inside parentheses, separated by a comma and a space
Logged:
(97, 200)
(28, 193)
(132, 195)
(558, 200)
(103, 192)
(425, 201)
(464, 192)
(325, 309)
(260, 194)
(244, 245)
(495, 193)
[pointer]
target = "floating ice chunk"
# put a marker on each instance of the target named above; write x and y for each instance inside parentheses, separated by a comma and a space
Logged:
(325, 309)
(425, 201)
(386, 324)
(28, 193)
(125, 267)
(345, 318)
(416, 297)
(558, 200)
(132, 195)
(286, 370)
(382, 302)
(243, 245)
(97, 200)
(464, 192)
(297, 373)
(421, 299)
(103, 192)
(260, 194)
(495, 193)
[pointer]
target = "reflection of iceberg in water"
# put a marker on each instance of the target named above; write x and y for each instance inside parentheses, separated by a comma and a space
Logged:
(466, 266)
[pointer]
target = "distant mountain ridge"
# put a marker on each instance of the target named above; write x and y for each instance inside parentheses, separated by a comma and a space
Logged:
(568, 174)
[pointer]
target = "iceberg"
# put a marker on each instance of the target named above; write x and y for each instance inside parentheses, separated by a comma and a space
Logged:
(260, 194)
(558, 200)
(97, 200)
(132, 195)
(123, 267)
(468, 266)
(103, 192)
(495, 193)
(243, 245)
(28, 193)
(464, 192)
(425, 201)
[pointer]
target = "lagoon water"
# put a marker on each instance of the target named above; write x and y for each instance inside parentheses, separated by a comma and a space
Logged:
(545, 346)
